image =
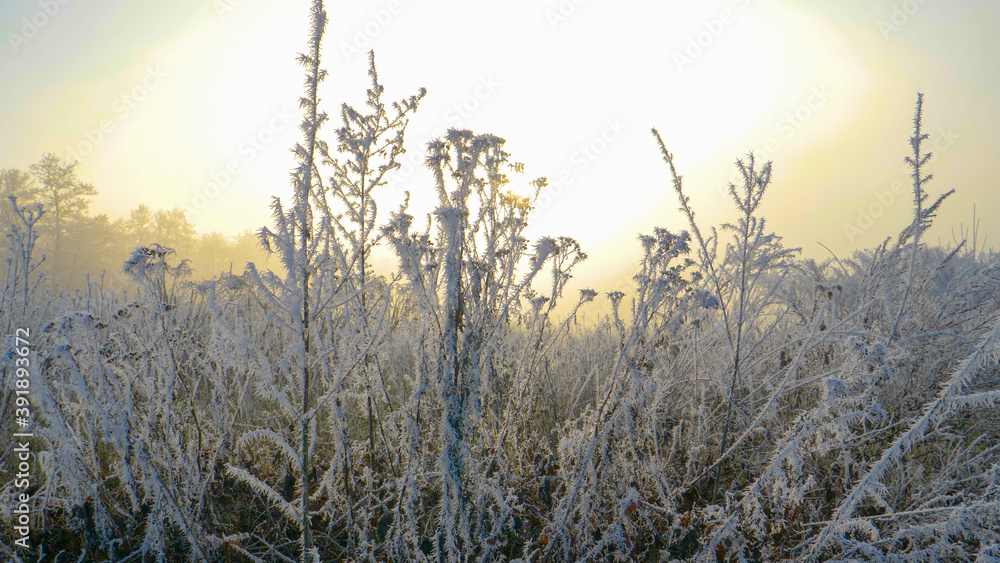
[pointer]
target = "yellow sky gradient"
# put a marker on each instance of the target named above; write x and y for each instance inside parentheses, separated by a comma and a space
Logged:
(161, 101)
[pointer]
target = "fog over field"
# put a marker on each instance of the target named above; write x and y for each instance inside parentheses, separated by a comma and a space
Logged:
(441, 281)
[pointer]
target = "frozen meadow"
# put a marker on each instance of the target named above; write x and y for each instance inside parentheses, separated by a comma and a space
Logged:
(740, 402)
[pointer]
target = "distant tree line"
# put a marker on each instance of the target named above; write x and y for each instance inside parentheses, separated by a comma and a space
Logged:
(76, 242)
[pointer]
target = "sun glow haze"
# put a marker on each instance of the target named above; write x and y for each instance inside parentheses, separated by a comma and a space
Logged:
(557, 88)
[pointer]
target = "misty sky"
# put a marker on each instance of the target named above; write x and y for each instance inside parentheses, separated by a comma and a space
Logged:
(193, 103)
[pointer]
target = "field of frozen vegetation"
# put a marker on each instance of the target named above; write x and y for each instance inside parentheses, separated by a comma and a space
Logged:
(739, 403)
